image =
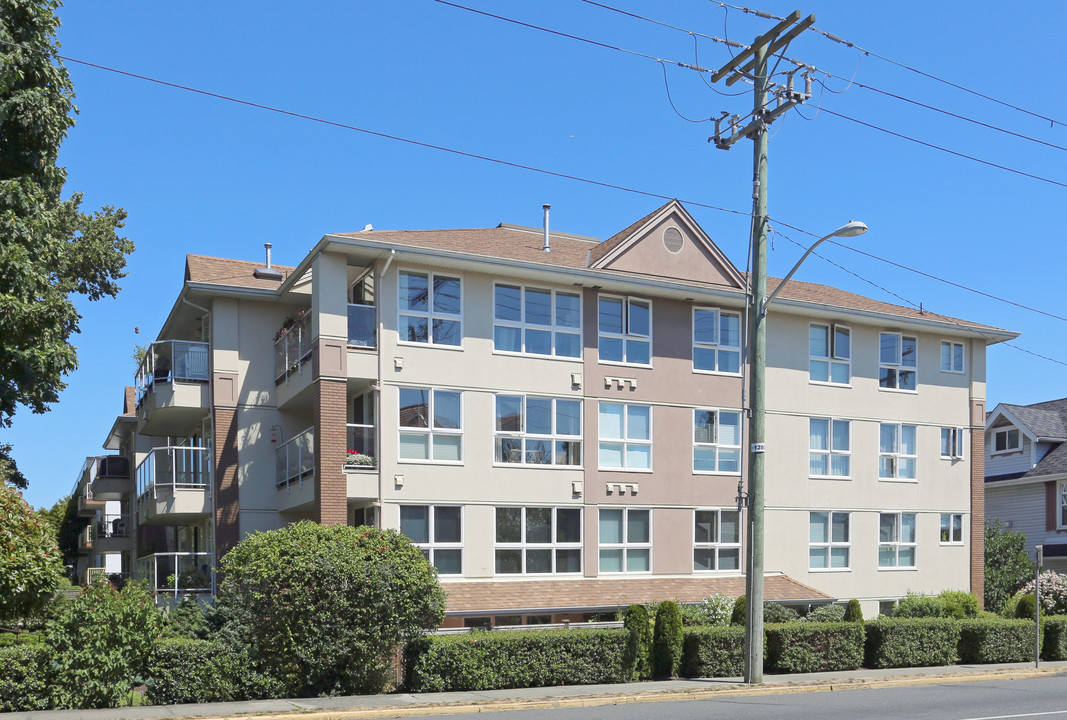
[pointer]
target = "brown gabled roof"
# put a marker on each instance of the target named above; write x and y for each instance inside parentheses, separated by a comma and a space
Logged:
(235, 273)
(605, 247)
(129, 402)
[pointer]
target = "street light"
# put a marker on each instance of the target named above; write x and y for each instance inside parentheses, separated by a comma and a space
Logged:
(758, 369)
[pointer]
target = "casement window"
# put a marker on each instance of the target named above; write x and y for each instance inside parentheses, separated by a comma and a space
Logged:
(897, 452)
(537, 321)
(625, 330)
(951, 356)
(951, 528)
(431, 308)
(538, 430)
(437, 530)
(1007, 440)
(829, 540)
(1061, 514)
(538, 540)
(830, 447)
(716, 540)
(896, 540)
(952, 443)
(897, 358)
(830, 354)
(625, 540)
(716, 341)
(625, 436)
(716, 441)
(431, 424)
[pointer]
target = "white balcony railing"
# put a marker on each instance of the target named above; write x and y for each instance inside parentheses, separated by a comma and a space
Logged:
(362, 326)
(167, 469)
(172, 360)
(178, 572)
(292, 346)
(295, 459)
(361, 447)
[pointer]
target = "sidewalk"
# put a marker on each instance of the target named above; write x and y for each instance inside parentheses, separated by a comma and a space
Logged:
(413, 704)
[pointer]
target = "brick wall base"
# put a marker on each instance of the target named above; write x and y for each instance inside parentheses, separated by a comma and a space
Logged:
(978, 513)
(227, 498)
(331, 436)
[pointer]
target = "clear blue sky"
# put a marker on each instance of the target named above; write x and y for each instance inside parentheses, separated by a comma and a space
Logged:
(201, 175)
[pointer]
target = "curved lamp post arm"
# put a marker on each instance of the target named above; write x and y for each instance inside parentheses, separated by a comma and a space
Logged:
(852, 229)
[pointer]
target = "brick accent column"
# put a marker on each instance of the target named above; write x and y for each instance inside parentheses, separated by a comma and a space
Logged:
(227, 498)
(331, 486)
(978, 502)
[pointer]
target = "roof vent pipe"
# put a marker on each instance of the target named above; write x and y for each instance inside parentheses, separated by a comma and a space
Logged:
(546, 248)
(268, 247)
(267, 273)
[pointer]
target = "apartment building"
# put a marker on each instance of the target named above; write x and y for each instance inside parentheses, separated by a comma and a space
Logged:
(558, 422)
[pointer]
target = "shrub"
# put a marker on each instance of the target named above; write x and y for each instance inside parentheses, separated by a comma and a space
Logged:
(30, 565)
(638, 657)
(826, 613)
(918, 605)
(814, 647)
(527, 658)
(1053, 592)
(959, 604)
(1007, 610)
(918, 642)
(853, 612)
(1026, 607)
(24, 678)
(737, 616)
(188, 620)
(715, 609)
(198, 671)
(775, 613)
(714, 651)
(1007, 565)
(667, 640)
(996, 641)
(324, 607)
(1054, 638)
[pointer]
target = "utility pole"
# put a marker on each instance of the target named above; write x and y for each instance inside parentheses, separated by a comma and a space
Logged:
(762, 48)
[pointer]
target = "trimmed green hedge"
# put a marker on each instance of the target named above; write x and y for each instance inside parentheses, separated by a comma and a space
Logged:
(25, 682)
(528, 658)
(996, 641)
(713, 651)
(197, 671)
(911, 642)
(1054, 637)
(814, 647)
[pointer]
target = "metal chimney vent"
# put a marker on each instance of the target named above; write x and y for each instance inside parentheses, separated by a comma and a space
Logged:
(267, 273)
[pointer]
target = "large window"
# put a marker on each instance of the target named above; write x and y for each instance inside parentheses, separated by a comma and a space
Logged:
(951, 356)
(625, 437)
(537, 321)
(431, 424)
(830, 446)
(431, 308)
(625, 540)
(952, 443)
(538, 430)
(829, 540)
(896, 452)
(896, 540)
(897, 357)
(538, 540)
(1006, 440)
(951, 528)
(625, 330)
(716, 340)
(716, 441)
(437, 530)
(716, 540)
(830, 351)
(1062, 495)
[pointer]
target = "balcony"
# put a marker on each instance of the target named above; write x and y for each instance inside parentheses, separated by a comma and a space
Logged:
(294, 465)
(111, 533)
(292, 346)
(173, 386)
(88, 505)
(362, 326)
(178, 572)
(174, 486)
(110, 477)
(85, 539)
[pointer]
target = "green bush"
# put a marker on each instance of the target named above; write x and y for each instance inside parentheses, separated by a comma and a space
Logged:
(714, 651)
(1026, 607)
(715, 609)
(959, 604)
(638, 657)
(814, 647)
(515, 659)
(737, 617)
(911, 642)
(996, 641)
(1007, 564)
(1054, 637)
(826, 613)
(775, 613)
(667, 640)
(918, 605)
(25, 682)
(853, 612)
(199, 671)
(188, 620)
(30, 564)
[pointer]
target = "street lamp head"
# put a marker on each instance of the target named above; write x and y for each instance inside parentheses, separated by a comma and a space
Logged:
(852, 229)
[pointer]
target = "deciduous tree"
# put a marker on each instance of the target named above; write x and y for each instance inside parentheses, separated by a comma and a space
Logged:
(30, 565)
(1007, 566)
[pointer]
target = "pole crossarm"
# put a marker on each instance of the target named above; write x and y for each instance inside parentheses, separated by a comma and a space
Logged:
(774, 47)
(751, 49)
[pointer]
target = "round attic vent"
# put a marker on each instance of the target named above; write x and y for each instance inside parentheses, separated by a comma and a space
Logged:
(672, 240)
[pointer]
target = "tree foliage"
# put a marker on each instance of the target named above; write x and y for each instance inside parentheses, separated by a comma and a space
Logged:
(667, 637)
(50, 250)
(1007, 566)
(325, 607)
(30, 566)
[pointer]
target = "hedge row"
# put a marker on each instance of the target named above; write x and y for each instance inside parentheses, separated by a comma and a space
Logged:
(814, 647)
(192, 671)
(911, 642)
(717, 651)
(996, 641)
(24, 678)
(1054, 640)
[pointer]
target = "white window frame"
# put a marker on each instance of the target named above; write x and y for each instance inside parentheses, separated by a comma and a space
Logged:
(554, 329)
(951, 527)
(429, 313)
(1006, 432)
(523, 436)
(715, 444)
(429, 549)
(626, 545)
(553, 546)
(430, 431)
(952, 345)
(899, 366)
(1061, 505)
(717, 347)
(896, 454)
(896, 542)
(625, 441)
(626, 335)
(952, 441)
(717, 545)
(832, 357)
(832, 451)
(829, 545)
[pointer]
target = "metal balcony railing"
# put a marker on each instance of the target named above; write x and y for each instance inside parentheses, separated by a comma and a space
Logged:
(295, 459)
(292, 346)
(362, 326)
(178, 572)
(172, 468)
(361, 446)
(112, 526)
(172, 360)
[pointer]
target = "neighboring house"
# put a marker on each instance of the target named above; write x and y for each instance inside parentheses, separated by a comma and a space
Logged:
(557, 422)
(1026, 474)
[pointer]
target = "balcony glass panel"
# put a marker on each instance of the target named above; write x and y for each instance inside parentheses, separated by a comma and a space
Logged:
(172, 360)
(361, 444)
(171, 468)
(292, 345)
(177, 572)
(295, 459)
(362, 328)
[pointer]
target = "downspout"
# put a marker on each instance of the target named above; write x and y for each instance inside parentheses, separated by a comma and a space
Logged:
(214, 478)
(378, 389)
